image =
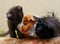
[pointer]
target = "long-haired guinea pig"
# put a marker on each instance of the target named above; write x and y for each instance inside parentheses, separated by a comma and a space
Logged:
(28, 26)
(47, 27)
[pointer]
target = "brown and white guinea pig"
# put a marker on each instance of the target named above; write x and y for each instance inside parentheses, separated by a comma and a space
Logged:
(28, 26)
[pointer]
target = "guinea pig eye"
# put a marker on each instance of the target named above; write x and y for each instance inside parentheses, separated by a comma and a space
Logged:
(25, 23)
(30, 19)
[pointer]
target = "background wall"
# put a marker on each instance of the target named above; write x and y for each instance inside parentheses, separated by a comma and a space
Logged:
(34, 7)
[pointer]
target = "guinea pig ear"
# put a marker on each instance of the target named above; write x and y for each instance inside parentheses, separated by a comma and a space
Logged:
(19, 7)
(36, 18)
(52, 14)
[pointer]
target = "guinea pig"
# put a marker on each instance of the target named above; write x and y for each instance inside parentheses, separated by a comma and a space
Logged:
(28, 26)
(47, 27)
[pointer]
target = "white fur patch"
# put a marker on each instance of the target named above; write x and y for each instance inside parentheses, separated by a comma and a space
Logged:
(20, 25)
(32, 31)
(9, 15)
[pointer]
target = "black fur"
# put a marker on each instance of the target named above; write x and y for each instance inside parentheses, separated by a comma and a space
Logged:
(15, 16)
(47, 27)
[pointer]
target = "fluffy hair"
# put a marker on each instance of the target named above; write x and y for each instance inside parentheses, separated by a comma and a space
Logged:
(47, 27)
(15, 16)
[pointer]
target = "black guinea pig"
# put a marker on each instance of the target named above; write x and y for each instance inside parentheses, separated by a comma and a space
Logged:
(47, 27)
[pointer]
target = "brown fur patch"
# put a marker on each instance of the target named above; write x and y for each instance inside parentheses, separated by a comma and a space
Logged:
(28, 22)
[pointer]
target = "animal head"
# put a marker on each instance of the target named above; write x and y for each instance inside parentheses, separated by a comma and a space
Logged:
(47, 27)
(28, 22)
(15, 14)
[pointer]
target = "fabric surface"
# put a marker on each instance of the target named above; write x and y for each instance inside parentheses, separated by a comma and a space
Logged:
(5, 40)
